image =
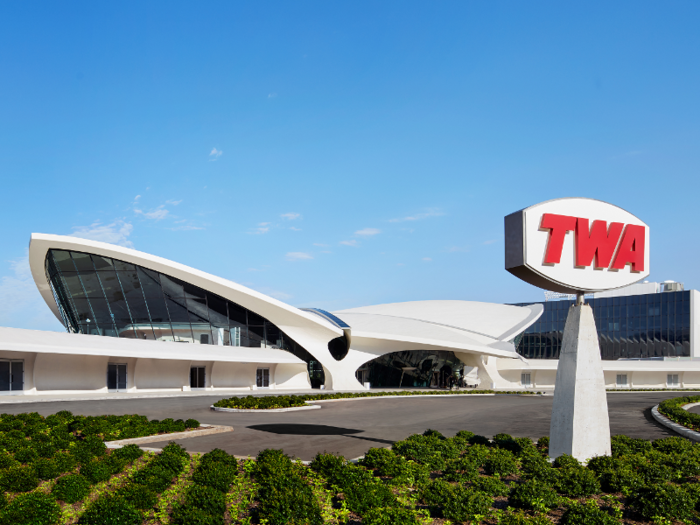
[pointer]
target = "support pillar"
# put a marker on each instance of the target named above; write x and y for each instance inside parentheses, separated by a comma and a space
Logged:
(580, 425)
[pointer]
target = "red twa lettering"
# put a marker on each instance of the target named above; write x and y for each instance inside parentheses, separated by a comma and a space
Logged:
(631, 249)
(599, 242)
(557, 225)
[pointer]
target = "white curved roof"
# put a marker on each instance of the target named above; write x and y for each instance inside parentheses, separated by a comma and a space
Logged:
(483, 322)
(279, 313)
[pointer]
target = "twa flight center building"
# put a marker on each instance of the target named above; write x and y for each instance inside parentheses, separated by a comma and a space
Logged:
(140, 323)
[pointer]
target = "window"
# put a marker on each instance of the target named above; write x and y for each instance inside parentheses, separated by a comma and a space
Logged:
(116, 377)
(263, 378)
(197, 377)
(525, 380)
(622, 380)
(672, 380)
(11, 375)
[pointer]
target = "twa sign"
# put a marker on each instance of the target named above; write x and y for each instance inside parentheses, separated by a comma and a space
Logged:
(576, 245)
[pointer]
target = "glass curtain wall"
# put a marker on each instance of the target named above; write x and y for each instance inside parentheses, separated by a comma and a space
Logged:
(632, 326)
(414, 368)
(103, 296)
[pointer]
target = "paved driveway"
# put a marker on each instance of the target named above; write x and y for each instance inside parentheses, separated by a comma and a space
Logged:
(351, 427)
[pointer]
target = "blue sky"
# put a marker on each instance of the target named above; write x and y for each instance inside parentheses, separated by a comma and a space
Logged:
(339, 154)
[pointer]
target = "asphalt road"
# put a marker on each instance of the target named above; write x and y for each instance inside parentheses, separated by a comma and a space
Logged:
(350, 428)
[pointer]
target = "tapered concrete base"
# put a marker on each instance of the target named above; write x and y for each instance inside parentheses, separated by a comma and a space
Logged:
(580, 425)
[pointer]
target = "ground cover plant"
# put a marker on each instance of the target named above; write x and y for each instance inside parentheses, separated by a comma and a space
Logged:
(53, 475)
(288, 401)
(671, 408)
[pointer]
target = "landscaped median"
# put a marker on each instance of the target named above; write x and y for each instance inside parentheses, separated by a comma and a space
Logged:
(53, 472)
(291, 402)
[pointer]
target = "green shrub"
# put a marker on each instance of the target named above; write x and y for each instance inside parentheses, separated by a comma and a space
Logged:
(490, 486)
(46, 449)
(538, 468)
(520, 518)
(566, 461)
(390, 516)
(599, 464)
(577, 482)
(46, 468)
(65, 461)
(624, 446)
(35, 508)
(191, 423)
(26, 455)
(283, 495)
(217, 476)
(183, 515)
(621, 479)
(463, 470)
(465, 434)
(388, 464)
(466, 505)
(588, 514)
(6, 460)
(96, 471)
(434, 494)
(534, 495)
(156, 478)
(500, 463)
(507, 442)
(110, 510)
(21, 478)
(479, 440)
(477, 454)
(140, 496)
(664, 500)
(428, 450)
(328, 465)
(682, 464)
(71, 488)
(543, 442)
(674, 444)
(128, 452)
(207, 499)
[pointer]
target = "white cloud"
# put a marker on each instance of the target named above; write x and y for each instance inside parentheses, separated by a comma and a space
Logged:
(291, 216)
(272, 95)
(321, 245)
(262, 227)
(174, 203)
(368, 232)
(295, 229)
(214, 154)
(298, 256)
(427, 259)
(431, 212)
(186, 227)
(116, 232)
(454, 249)
(156, 214)
(350, 243)
(490, 242)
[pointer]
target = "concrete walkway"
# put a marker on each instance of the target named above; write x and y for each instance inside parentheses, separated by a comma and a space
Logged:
(352, 427)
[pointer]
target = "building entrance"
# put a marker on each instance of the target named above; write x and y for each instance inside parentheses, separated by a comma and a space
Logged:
(197, 377)
(263, 378)
(116, 377)
(11, 375)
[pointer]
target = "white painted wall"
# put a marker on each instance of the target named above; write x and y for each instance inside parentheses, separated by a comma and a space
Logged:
(158, 374)
(70, 373)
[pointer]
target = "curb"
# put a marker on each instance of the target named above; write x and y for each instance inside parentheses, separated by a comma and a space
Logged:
(208, 430)
(262, 410)
(679, 429)
(397, 397)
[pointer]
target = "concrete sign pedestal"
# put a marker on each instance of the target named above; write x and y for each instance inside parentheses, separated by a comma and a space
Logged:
(580, 425)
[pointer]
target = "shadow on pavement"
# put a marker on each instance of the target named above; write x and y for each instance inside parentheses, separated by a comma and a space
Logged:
(295, 429)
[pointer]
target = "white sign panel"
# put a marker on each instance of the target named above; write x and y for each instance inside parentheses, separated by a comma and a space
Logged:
(576, 245)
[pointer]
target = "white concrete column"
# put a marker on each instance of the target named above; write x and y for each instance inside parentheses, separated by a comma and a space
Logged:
(580, 425)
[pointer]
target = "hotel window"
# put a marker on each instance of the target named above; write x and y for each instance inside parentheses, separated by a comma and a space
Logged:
(672, 380)
(622, 380)
(525, 380)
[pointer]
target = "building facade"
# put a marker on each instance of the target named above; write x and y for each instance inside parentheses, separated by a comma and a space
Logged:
(136, 322)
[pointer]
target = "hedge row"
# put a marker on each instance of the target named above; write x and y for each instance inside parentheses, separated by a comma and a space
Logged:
(287, 401)
(672, 409)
